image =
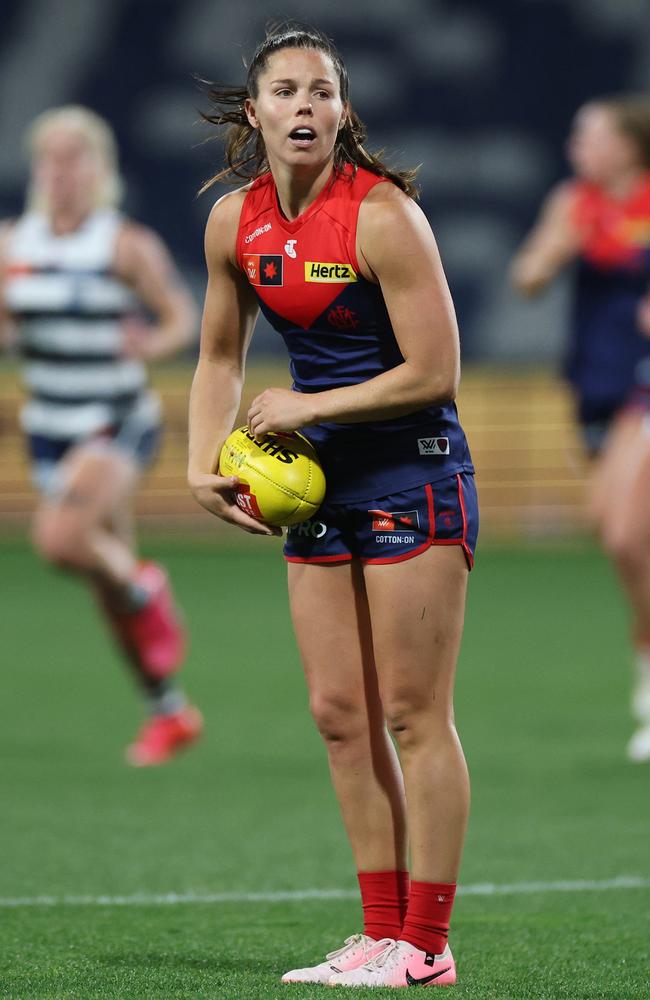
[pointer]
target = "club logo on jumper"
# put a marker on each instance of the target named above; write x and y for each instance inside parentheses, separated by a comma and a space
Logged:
(290, 248)
(343, 318)
(433, 446)
(263, 268)
(395, 520)
(257, 232)
(334, 274)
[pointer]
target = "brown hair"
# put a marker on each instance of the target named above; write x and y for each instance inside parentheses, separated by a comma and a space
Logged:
(632, 115)
(245, 149)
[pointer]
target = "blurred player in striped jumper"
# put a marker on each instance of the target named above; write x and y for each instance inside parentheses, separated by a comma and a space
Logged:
(76, 280)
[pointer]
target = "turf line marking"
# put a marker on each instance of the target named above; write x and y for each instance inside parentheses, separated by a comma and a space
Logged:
(291, 896)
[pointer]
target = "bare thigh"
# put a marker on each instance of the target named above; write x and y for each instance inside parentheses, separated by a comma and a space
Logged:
(95, 492)
(417, 610)
(619, 501)
(330, 618)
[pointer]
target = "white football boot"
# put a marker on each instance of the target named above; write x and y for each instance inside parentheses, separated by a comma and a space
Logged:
(356, 950)
(638, 749)
(402, 964)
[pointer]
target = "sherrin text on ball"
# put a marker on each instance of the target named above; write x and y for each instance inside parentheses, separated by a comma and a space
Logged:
(281, 481)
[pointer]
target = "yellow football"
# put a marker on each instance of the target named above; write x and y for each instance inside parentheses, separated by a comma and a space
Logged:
(281, 479)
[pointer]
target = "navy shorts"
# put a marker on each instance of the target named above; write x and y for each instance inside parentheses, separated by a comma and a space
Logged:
(391, 528)
(595, 431)
(140, 444)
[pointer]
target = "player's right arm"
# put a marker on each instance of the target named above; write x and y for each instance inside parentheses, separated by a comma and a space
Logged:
(552, 243)
(7, 327)
(229, 316)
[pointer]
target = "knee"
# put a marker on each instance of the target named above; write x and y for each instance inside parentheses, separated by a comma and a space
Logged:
(415, 722)
(623, 547)
(404, 725)
(59, 544)
(339, 719)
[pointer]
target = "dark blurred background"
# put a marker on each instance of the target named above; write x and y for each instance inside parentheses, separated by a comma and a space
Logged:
(480, 93)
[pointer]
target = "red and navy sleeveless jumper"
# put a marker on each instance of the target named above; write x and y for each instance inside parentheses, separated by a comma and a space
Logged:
(337, 330)
(609, 358)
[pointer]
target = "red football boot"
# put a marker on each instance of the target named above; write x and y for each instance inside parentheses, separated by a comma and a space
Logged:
(164, 735)
(153, 637)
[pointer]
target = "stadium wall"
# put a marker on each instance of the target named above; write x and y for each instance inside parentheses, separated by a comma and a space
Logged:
(530, 469)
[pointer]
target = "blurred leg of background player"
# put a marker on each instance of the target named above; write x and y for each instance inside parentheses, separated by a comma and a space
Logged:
(621, 509)
(84, 526)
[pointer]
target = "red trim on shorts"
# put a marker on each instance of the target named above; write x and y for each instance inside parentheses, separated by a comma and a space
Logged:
(385, 560)
(422, 548)
(428, 489)
(431, 539)
(345, 557)
(461, 501)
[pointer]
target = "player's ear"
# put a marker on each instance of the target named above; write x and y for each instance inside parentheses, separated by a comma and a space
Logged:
(344, 117)
(249, 108)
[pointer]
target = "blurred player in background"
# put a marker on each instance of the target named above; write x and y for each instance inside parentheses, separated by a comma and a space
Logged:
(331, 244)
(75, 275)
(600, 222)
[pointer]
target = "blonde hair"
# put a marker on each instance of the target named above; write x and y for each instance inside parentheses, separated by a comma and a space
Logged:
(97, 134)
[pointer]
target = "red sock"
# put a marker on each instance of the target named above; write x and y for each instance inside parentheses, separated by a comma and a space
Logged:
(384, 896)
(427, 918)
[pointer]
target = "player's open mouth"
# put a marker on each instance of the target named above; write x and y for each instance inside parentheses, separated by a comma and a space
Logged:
(303, 136)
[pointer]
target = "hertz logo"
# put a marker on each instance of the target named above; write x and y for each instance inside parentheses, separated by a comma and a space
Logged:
(337, 274)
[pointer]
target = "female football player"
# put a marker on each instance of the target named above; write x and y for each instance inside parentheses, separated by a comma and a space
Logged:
(600, 222)
(74, 275)
(331, 245)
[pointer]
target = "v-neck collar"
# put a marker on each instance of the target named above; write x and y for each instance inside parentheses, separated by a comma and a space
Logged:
(293, 225)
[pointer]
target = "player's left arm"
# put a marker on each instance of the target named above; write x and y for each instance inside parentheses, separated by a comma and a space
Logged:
(143, 261)
(397, 249)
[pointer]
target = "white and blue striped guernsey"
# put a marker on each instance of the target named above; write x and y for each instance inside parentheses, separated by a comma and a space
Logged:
(69, 307)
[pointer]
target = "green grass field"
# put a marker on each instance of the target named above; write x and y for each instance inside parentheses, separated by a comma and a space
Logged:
(542, 710)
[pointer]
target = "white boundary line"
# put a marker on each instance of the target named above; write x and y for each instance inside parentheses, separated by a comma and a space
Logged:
(298, 895)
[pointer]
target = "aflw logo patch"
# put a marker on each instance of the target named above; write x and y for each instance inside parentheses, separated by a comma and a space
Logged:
(395, 520)
(433, 446)
(263, 268)
(336, 274)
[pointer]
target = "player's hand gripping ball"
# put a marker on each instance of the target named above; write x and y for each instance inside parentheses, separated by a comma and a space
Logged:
(280, 478)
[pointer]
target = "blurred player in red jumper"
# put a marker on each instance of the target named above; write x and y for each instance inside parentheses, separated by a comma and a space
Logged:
(331, 245)
(74, 273)
(599, 222)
